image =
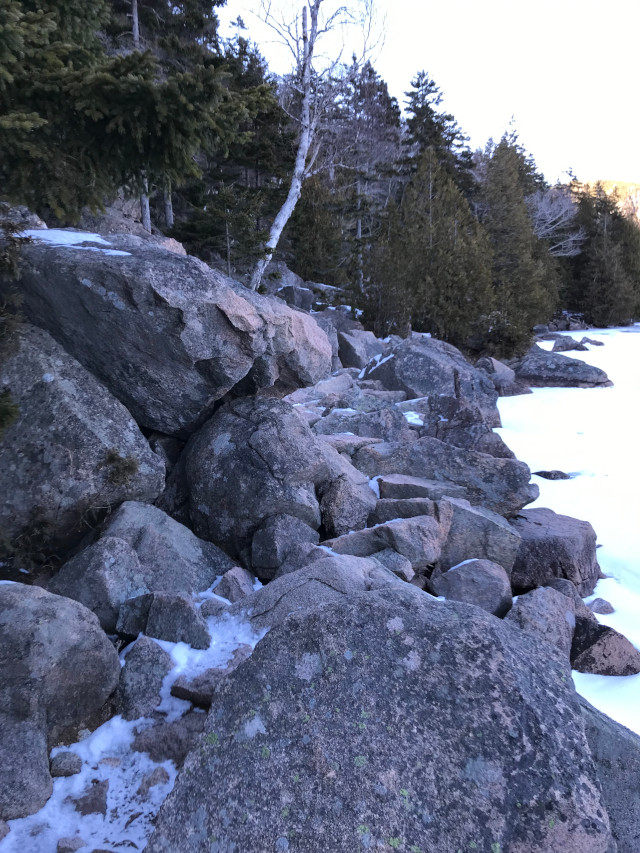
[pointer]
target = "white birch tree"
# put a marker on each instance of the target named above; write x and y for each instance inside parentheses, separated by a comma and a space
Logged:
(302, 35)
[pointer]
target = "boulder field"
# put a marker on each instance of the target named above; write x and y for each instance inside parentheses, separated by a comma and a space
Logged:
(178, 440)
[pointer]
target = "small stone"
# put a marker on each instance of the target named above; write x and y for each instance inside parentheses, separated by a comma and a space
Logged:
(111, 761)
(65, 764)
(159, 776)
(5, 829)
(212, 607)
(552, 475)
(599, 605)
(237, 583)
(70, 845)
(94, 801)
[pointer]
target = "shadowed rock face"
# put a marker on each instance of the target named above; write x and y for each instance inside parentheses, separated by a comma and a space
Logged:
(554, 546)
(73, 447)
(255, 458)
(167, 335)
(545, 369)
(501, 485)
(57, 672)
(390, 721)
(423, 366)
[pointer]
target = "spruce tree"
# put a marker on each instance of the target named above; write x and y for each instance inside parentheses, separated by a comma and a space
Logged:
(522, 295)
(76, 123)
(428, 126)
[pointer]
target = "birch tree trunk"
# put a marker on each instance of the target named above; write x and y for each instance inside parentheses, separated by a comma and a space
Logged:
(168, 205)
(135, 24)
(145, 211)
(304, 143)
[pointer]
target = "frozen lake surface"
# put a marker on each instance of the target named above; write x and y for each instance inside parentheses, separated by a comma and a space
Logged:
(592, 434)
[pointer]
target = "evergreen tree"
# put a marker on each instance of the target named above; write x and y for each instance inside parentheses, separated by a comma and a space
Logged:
(605, 277)
(76, 123)
(436, 260)
(430, 127)
(225, 210)
(523, 281)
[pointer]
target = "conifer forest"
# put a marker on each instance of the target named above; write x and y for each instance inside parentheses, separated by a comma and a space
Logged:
(320, 168)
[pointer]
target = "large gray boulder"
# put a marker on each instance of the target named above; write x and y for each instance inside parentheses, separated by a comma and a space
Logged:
(423, 366)
(390, 721)
(540, 368)
(419, 539)
(254, 459)
(616, 753)
(357, 347)
(601, 650)
(58, 672)
(328, 579)
(476, 532)
(273, 541)
(501, 485)
(554, 546)
(72, 449)
(166, 334)
(548, 614)
(142, 550)
(479, 582)
(386, 423)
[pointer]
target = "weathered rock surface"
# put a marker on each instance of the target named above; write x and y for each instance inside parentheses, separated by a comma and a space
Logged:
(501, 485)
(175, 618)
(547, 613)
(142, 550)
(476, 532)
(273, 541)
(144, 670)
(235, 584)
(391, 721)
(404, 486)
(601, 650)
(423, 366)
(389, 509)
(466, 428)
(616, 754)
(545, 369)
(170, 741)
(254, 459)
(554, 546)
(329, 579)
(65, 763)
(58, 671)
(72, 449)
(387, 424)
(166, 334)
(357, 347)
(419, 539)
(346, 498)
(479, 582)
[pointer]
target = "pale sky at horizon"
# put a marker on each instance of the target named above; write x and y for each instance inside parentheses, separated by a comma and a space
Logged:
(567, 71)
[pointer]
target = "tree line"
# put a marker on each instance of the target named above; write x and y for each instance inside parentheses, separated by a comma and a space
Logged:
(320, 168)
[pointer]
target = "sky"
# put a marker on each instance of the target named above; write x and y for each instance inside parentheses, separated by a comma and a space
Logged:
(565, 71)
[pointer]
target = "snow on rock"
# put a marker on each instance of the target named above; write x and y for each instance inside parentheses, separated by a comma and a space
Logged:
(72, 239)
(137, 786)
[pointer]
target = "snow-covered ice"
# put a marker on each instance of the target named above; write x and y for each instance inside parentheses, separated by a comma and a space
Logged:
(591, 434)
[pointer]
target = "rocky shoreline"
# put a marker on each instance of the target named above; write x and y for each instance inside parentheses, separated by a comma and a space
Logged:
(197, 456)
